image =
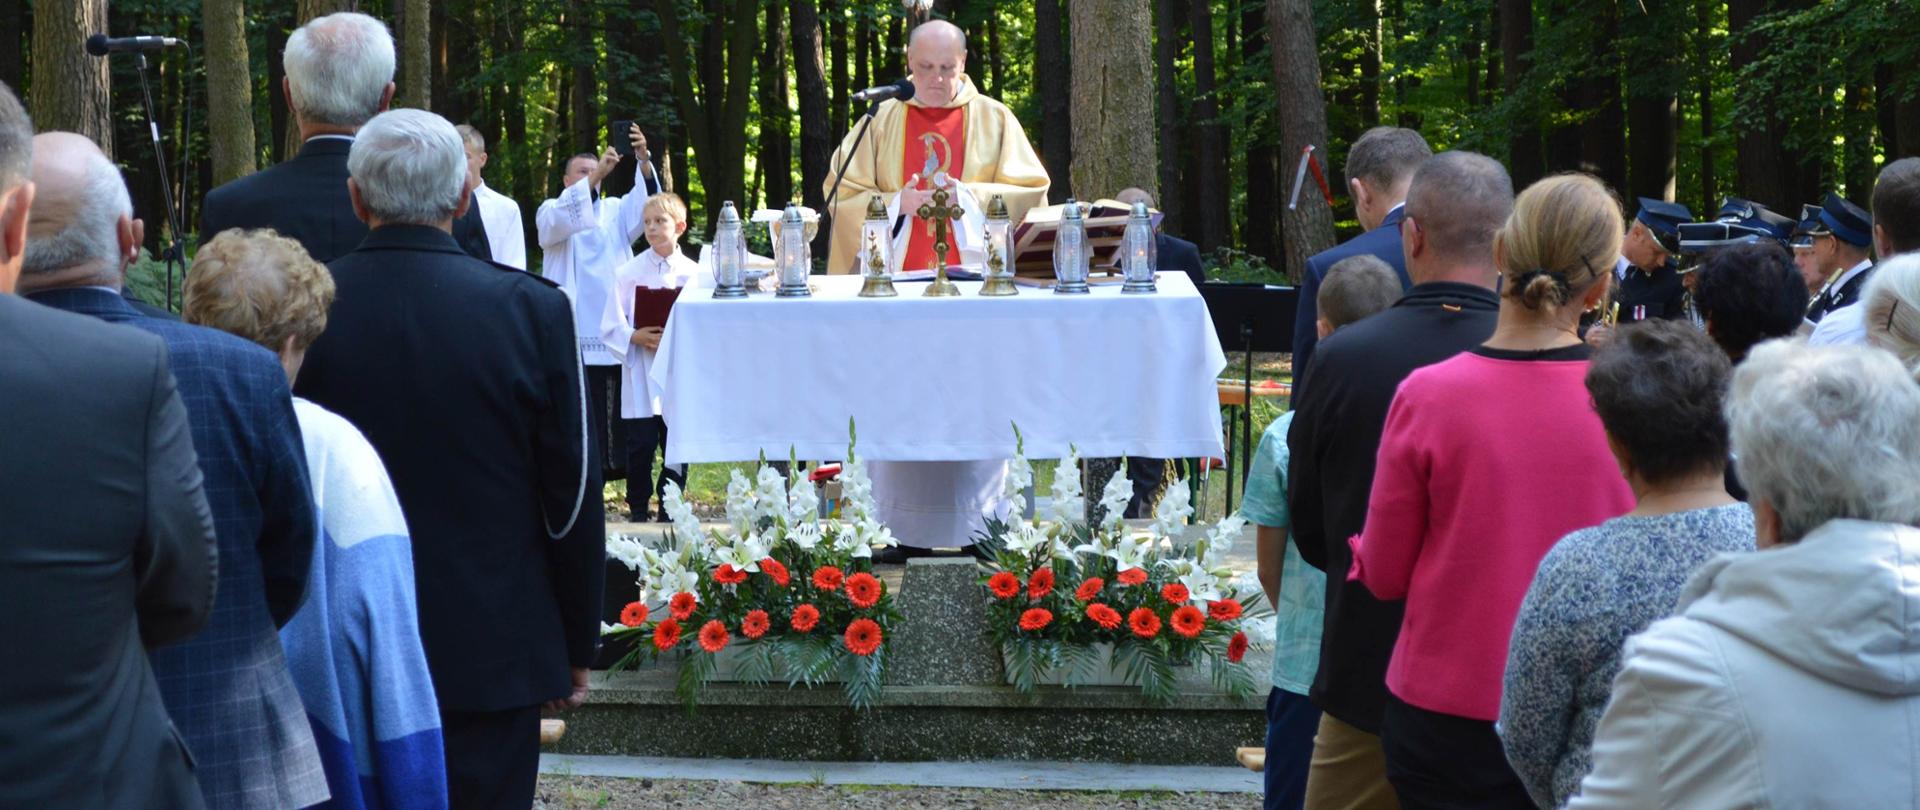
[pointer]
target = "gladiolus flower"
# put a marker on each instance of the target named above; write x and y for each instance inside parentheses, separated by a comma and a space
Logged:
(1004, 585)
(713, 636)
(773, 568)
(805, 617)
(726, 574)
(1040, 583)
(682, 605)
(1237, 647)
(827, 578)
(1144, 623)
(863, 636)
(1133, 576)
(1188, 621)
(1035, 618)
(666, 634)
(1175, 593)
(755, 624)
(1090, 589)
(1106, 617)
(1225, 610)
(634, 614)
(863, 590)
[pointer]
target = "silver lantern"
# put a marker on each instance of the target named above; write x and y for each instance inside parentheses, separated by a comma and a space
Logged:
(1070, 252)
(1139, 256)
(729, 255)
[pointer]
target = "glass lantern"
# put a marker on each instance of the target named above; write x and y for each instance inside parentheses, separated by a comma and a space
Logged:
(1070, 252)
(729, 255)
(1138, 253)
(876, 252)
(998, 279)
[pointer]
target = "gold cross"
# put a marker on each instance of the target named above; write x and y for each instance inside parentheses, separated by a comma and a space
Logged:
(937, 214)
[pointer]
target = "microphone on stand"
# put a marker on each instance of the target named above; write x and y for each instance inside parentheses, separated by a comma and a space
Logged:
(101, 44)
(900, 90)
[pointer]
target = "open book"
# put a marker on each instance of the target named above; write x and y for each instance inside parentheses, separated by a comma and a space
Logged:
(1106, 224)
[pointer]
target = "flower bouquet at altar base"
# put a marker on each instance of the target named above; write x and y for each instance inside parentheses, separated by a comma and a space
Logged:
(1066, 598)
(782, 593)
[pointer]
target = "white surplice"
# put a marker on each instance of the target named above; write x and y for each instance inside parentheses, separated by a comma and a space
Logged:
(506, 231)
(584, 240)
(938, 504)
(638, 400)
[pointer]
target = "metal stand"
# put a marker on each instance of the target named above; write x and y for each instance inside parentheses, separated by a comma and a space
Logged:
(176, 251)
(827, 216)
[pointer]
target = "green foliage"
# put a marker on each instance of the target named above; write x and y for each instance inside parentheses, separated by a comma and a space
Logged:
(147, 281)
(1233, 265)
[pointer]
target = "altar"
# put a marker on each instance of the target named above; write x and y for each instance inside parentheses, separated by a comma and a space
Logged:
(940, 379)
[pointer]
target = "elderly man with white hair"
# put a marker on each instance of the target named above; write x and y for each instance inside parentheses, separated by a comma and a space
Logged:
(339, 74)
(227, 688)
(483, 433)
(1789, 676)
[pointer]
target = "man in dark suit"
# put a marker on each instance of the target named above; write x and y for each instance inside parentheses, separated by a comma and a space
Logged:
(1455, 202)
(339, 74)
(1174, 254)
(1379, 166)
(227, 688)
(484, 434)
(106, 549)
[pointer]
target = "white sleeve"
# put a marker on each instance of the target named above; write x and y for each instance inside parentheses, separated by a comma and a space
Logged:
(616, 321)
(513, 243)
(631, 218)
(1845, 326)
(561, 217)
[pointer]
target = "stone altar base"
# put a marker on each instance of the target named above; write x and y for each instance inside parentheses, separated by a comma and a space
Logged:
(946, 699)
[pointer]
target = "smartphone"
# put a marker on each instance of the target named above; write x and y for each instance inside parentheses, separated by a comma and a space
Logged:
(620, 138)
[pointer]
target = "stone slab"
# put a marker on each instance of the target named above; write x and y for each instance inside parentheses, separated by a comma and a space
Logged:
(1004, 775)
(942, 637)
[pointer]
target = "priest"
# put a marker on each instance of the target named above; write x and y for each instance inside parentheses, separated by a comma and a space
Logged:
(947, 135)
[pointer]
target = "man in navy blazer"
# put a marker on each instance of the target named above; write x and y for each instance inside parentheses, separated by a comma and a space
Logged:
(1379, 166)
(484, 434)
(227, 688)
(339, 74)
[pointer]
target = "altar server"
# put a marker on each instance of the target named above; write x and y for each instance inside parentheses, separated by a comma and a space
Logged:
(660, 266)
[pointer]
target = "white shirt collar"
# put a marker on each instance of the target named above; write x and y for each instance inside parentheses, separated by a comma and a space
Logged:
(1848, 276)
(1620, 268)
(347, 138)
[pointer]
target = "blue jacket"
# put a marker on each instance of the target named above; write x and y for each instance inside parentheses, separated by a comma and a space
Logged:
(1383, 242)
(227, 688)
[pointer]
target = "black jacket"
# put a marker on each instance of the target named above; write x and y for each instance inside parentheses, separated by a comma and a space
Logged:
(1179, 254)
(1845, 295)
(1649, 294)
(306, 200)
(466, 378)
(1335, 434)
(1382, 242)
(106, 548)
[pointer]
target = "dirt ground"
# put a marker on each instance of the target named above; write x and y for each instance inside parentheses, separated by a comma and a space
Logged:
(597, 793)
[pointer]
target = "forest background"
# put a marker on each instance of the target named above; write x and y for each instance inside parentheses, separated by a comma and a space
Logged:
(1206, 102)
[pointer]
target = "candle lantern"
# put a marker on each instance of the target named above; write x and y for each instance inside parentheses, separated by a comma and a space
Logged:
(729, 255)
(999, 276)
(1070, 252)
(876, 267)
(1139, 256)
(795, 263)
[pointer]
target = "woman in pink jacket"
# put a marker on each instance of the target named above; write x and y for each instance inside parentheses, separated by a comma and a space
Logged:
(1486, 460)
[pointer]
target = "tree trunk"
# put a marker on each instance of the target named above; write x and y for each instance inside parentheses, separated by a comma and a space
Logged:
(583, 119)
(1703, 73)
(892, 53)
(1307, 229)
(1470, 51)
(509, 37)
(1767, 173)
(13, 43)
(1261, 231)
(229, 89)
(416, 47)
(1603, 138)
(1886, 107)
(1525, 162)
(1166, 49)
(1858, 123)
(1371, 32)
(69, 90)
(1053, 81)
(817, 139)
(776, 144)
(996, 59)
(1211, 182)
(1653, 101)
(441, 88)
(836, 43)
(1112, 97)
(863, 63)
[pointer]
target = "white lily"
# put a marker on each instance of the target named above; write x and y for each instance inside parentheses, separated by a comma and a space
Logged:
(674, 578)
(874, 534)
(804, 536)
(1114, 499)
(1220, 540)
(1170, 517)
(630, 552)
(1129, 552)
(606, 628)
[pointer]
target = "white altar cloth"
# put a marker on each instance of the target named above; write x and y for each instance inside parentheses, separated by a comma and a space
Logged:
(940, 379)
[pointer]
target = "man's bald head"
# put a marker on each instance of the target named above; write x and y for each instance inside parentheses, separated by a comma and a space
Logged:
(936, 59)
(1455, 202)
(83, 231)
(1134, 194)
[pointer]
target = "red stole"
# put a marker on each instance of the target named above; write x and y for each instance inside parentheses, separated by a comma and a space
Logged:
(941, 133)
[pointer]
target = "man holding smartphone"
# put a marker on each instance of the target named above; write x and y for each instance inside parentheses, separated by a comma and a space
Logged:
(584, 235)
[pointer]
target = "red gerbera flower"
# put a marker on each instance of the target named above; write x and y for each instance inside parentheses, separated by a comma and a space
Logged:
(755, 624)
(773, 568)
(1133, 576)
(1237, 647)
(1106, 617)
(726, 574)
(1035, 618)
(805, 617)
(1144, 623)
(863, 636)
(1175, 592)
(1188, 621)
(634, 614)
(1004, 585)
(1225, 610)
(666, 634)
(682, 605)
(827, 578)
(713, 636)
(1089, 589)
(863, 590)
(1040, 583)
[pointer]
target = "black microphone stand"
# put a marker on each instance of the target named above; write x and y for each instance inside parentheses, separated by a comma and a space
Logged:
(175, 252)
(834, 193)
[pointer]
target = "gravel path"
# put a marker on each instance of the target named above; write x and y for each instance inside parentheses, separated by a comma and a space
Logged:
(599, 793)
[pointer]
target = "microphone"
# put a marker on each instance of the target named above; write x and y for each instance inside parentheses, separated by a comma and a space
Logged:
(900, 90)
(101, 44)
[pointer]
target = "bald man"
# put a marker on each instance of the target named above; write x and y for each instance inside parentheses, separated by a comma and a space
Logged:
(947, 130)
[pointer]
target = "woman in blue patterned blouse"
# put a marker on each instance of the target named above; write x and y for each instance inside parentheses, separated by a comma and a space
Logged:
(1658, 388)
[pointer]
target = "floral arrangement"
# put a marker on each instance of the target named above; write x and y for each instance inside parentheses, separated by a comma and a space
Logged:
(777, 591)
(1062, 593)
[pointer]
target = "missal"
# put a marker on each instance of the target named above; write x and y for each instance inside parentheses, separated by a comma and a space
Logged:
(651, 305)
(1106, 223)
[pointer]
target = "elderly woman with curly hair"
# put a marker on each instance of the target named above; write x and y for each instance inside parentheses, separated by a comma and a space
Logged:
(354, 648)
(1748, 294)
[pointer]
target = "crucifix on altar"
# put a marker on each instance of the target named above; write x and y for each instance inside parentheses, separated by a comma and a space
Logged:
(937, 212)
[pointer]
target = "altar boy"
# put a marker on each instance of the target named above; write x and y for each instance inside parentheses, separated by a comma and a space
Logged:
(660, 266)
